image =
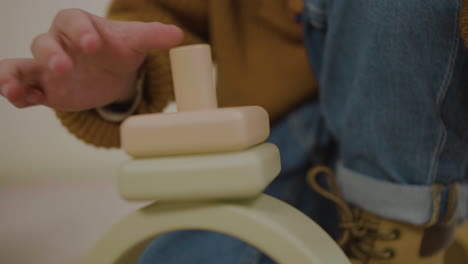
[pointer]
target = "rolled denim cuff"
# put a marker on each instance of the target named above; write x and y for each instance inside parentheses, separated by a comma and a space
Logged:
(414, 204)
(463, 202)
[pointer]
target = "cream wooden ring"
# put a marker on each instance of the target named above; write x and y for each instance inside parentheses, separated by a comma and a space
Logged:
(272, 226)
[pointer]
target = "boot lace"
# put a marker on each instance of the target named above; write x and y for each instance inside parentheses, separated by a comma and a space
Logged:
(358, 232)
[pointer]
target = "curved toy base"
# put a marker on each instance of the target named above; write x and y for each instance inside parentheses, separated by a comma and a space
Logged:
(277, 229)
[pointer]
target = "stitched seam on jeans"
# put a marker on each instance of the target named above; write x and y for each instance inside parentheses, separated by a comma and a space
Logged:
(434, 166)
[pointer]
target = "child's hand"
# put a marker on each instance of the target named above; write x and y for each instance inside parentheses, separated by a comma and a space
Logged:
(83, 62)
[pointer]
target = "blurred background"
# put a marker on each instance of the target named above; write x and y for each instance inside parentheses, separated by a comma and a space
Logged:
(57, 194)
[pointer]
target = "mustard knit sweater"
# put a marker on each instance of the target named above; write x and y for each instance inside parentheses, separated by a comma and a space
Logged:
(256, 45)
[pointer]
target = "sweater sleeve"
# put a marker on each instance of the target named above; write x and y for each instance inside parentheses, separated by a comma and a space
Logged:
(464, 22)
(191, 16)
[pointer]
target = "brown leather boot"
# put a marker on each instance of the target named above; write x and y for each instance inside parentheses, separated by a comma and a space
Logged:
(457, 253)
(370, 239)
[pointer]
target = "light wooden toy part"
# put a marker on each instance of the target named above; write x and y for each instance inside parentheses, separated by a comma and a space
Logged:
(277, 229)
(199, 127)
(243, 174)
(221, 130)
(192, 74)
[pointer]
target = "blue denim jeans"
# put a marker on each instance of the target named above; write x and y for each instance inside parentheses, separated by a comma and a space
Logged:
(394, 94)
(393, 101)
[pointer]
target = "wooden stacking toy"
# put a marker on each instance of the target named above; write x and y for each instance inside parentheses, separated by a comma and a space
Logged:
(207, 168)
(165, 141)
(199, 126)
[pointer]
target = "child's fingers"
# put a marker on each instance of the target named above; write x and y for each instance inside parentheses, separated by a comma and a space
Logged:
(21, 96)
(10, 73)
(76, 25)
(48, 51)
(12, 90)
(31, 96)
(19, 82)
(145, 36)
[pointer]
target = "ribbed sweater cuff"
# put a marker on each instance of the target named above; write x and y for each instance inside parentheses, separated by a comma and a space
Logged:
(91, 128)
(117, 112)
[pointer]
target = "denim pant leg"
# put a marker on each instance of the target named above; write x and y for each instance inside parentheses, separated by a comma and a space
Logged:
(394, 93)
(297, 136)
